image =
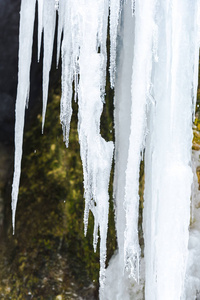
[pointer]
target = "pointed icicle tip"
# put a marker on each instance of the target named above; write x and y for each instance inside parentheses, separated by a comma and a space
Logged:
(13, 219)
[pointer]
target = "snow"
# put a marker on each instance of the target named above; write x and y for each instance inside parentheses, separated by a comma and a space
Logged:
(154, 69)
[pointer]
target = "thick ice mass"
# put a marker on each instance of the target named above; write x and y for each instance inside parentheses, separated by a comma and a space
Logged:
(154, 61)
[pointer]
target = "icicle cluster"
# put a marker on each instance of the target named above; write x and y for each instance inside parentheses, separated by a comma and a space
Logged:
(156, 47)
(83, 25)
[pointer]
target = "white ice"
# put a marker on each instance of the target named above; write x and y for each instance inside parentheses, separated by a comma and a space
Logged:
(156, 46)
(82, 36)
(96, 153)
(49, 22)
(25, 53)
(141, 82)
(168, 174)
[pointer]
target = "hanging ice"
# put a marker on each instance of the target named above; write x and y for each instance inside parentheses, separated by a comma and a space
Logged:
(156, 47)
(25, 53)
(169, 90)
(96, 153)
(141, 82)
(168, 153)
(84, 28)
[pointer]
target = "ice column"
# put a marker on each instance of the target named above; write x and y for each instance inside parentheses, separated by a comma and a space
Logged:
(118, 285)
(168, 175)
(140, 91)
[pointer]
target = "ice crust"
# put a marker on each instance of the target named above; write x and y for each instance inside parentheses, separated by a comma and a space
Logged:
(154, 49)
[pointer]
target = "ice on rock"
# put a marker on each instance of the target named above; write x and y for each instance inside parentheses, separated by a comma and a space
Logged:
(192, 278)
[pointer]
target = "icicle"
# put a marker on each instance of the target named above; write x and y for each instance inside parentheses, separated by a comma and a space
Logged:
(40, 25)
(117, 284)
(61, 14)
(159, 93)
(115, 8)
(27, 16)
(102, 41)
(56, 4)
(67, 73)
(49, 19)
(142, 62)
(96, 153)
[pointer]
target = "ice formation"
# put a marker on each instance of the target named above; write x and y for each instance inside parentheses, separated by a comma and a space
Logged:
(154, 69)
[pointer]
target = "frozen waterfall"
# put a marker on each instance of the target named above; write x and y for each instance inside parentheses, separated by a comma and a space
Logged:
(154, 60)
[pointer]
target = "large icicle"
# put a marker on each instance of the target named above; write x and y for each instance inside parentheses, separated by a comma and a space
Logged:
(49, 22)
(67, 67)
(61, 14)
(25, 53)
(118, 285)
(168, 175)
(141, 82)
(96, 153)
(115, 10)
(40, 25)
